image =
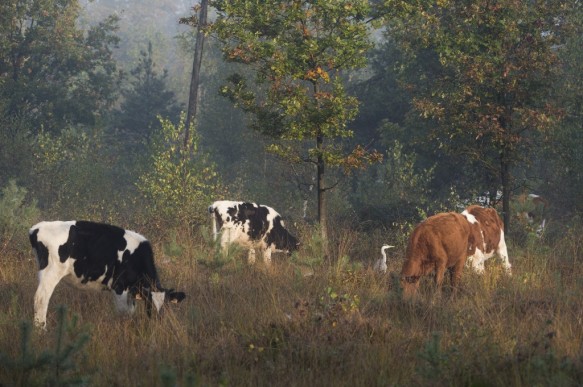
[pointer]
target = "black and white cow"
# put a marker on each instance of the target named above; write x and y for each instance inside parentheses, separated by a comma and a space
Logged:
(96, 256)
(252, 226)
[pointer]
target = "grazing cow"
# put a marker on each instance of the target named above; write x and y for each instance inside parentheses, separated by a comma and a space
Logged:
(96, 256)
(440, 242)
(488, 231)
(251, 225)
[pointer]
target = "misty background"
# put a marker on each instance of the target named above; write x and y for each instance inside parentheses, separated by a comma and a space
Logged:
(93, 95)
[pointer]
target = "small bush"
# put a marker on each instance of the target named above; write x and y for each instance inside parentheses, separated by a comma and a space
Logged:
(16, 217)
(50, 367)
(181, 181)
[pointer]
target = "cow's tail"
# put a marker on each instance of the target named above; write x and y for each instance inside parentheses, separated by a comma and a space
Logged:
(213, 221)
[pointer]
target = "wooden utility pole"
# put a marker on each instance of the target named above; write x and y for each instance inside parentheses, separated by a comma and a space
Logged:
(195, 78)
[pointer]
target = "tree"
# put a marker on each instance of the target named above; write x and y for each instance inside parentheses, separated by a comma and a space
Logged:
(51, 71)
(145, 99)
(180, 180)
(196, 63)
(394, 191)
(298, 51)
(383, 100)
(498, 65)
(564, 157)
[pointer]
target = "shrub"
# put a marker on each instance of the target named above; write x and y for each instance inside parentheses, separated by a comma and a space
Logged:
(51, 367)
(181, 181)
(16, 217)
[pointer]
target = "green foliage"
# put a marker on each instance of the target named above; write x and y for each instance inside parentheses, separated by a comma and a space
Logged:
(20, 368)
(393, 191)
(483, 87)
(384, 103)
(490, 93)
(338, 308)
(149, 21)
(214, 257)
(169, 379)
(55, 73)
(181, 182)
(145, 98)
(51, 367)
(17, 215)
(172, 248)
(563, 156)
(312, 247)
(16, 146)
(297, 51)
(75, 176)
(436, 364)
(68, 344)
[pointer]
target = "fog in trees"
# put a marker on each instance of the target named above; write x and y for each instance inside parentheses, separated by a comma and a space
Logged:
(86, 89)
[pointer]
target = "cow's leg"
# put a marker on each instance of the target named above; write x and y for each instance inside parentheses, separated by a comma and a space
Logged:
(225, 241)
(251, 256)
(478, 262)
(48, 278)
(456, 273)
(124, 303)
(440, 268)
(502, 252)
(440, 259)
(214, 225)
(267, 256)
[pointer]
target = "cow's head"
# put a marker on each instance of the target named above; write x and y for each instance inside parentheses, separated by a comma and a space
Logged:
(281, 238)
(159, 297)
(410, 286)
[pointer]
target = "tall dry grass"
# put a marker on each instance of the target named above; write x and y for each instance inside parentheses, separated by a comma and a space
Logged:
(310, 322)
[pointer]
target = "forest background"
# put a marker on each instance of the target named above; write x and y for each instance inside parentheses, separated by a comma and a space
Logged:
(87, 89)
(460, 98)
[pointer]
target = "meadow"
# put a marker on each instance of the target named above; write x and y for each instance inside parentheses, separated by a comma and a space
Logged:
(306, 321)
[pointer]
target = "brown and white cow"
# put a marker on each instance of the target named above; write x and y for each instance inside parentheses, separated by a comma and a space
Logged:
(442, 241)
(488, 230)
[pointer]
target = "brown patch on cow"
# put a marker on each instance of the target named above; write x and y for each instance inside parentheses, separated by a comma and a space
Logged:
(490, 224)
(440, 242)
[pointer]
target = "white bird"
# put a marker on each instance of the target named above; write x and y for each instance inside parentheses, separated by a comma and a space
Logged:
(381, 263)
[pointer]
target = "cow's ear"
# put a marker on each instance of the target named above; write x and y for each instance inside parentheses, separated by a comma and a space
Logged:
(176, 297)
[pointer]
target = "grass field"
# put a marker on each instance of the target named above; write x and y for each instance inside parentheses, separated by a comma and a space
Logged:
(306, 322)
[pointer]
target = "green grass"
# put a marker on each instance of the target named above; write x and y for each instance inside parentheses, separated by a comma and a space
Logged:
(308, 322)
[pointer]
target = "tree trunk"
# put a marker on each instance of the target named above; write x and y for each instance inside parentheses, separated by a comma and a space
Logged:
(505, 157)
(195, 78)
(322, 215)
(505, 177)
(321, 188)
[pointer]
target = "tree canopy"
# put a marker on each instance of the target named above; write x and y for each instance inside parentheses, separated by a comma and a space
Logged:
(53, 72)
(145, 98)
(498, 63)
